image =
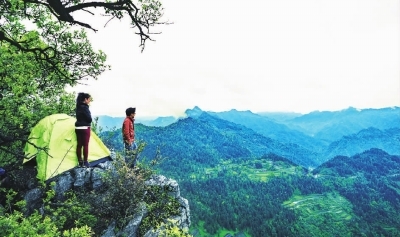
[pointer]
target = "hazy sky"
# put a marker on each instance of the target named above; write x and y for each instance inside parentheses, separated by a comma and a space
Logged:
(258, 55)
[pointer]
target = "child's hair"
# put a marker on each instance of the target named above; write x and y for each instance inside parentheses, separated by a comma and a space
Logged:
(130, 111)
(81, 97)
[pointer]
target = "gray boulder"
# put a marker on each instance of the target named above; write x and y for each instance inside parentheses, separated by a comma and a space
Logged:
(91, 179)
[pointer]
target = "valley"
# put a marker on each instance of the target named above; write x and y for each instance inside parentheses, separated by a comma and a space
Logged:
(242, 182)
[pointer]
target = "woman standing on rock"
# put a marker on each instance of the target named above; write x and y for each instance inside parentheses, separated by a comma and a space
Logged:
(82, 127)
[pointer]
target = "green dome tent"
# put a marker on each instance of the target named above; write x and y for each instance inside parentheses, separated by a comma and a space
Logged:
(57, 133)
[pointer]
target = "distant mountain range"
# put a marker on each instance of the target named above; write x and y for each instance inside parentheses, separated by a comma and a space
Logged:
(108, 122)
(387, 140)
(367, 163)
(319, 174)
(333, 125)
(322, 125)
(208, 139)
(270, 128)
(237, 134)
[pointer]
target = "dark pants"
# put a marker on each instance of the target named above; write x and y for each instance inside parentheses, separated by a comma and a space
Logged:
(82, 137)
(130, 154)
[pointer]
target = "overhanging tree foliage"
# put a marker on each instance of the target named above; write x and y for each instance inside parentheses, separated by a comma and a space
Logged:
(27, 94)
(43, 48)
(70, 50)
(143, 15)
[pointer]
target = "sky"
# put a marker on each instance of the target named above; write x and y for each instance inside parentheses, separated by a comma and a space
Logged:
(257, 55)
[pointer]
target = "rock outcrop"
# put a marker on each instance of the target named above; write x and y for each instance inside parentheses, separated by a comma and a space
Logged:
(90, 178)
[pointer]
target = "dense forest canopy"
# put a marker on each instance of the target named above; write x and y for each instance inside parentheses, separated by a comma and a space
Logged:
(231, 190)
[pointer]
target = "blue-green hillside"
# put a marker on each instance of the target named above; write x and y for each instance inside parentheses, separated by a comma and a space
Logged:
(387, 140)
(269, 128)
(333, 125)
(242, 183)
(289, 201)
(371, 182)
(207, 141)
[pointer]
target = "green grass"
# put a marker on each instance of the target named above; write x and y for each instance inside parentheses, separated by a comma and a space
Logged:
(220, 232)
(223, 232)
(200, 228)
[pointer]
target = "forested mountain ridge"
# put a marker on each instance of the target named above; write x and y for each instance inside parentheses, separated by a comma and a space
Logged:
(280, 116)
(321, 125)
(207, 139)
(313, 131)
(347, 196)
(269, 128)
(371, 162)
(332, 125)
(371, 182)
(108, 122)
(270, 195)
(387, 140)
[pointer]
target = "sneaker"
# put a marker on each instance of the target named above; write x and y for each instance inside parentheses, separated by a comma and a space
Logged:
(86, 164)
(80, 164)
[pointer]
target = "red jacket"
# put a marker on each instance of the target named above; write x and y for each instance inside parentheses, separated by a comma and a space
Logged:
(128, 130)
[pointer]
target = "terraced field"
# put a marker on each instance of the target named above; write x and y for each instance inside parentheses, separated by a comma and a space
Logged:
(321, 212)
(256, 170)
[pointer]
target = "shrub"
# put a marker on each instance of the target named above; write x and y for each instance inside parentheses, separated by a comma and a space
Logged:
(50, 223)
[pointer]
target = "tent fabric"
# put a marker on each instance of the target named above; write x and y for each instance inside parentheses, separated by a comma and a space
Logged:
(57, 133)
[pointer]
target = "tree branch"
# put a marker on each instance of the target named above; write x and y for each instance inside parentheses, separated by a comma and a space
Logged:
(37, 51)
(7, 140)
